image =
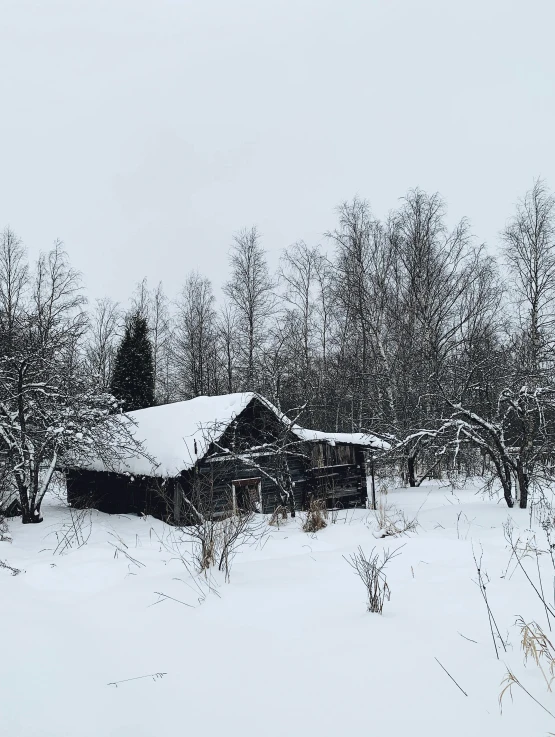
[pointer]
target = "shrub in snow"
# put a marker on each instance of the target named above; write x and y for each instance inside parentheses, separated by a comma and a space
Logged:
(278, 517)
(315, 519)
(370, 570)
(216, 541)
(393, 522)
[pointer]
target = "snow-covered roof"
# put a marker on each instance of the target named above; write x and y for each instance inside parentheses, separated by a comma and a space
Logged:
(343, 438)
(174, 436)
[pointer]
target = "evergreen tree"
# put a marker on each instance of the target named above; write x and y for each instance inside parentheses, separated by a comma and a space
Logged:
(133, 379)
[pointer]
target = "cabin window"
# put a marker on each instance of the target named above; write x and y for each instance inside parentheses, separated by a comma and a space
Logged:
(247, 495)
(344, 454)
(324, 454)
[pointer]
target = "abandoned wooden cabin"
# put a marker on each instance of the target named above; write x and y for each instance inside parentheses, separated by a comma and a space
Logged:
(211, 455)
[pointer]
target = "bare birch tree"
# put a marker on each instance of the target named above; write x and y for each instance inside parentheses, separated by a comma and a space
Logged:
(529, 240)
(250, 290)
(228, 347)
(14, 281)
(195, 338)
(104, 331)
(160, 335)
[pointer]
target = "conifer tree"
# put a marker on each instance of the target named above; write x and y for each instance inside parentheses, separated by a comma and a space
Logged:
(133, 379)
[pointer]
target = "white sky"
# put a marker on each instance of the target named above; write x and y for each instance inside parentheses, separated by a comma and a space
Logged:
(144, 133)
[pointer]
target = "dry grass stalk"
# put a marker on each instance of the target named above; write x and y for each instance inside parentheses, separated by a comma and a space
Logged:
(393, 522)
(508, 682)
(537, 646)
(511, 680)
(279, 516)
(315, 519)
(370, 570)
(207, 554)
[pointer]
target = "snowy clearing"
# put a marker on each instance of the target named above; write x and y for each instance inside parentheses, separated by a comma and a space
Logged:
(287, 647)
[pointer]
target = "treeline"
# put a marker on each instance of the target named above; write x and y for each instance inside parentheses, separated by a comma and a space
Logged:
(397, 326)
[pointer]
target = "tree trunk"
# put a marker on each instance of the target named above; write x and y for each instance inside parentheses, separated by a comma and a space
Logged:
(411, 466)
(30, 512)
(30, 516)
(523, 483)
(507, 486)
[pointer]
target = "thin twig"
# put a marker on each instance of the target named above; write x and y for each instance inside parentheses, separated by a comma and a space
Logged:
(154, 676)
(451, 677)
(467, 638)
(165, 596)
(482, 586)
(135, 562)
(541, 588)
(14, 571)
(541, 598)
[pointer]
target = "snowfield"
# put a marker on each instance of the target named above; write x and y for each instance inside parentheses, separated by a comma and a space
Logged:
(287, 647)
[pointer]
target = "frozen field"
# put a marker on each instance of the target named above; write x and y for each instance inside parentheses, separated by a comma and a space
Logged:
(287, 647)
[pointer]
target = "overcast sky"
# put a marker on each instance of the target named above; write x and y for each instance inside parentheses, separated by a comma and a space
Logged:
(144, 133)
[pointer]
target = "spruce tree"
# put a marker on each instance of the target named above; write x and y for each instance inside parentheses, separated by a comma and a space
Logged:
(133, 379)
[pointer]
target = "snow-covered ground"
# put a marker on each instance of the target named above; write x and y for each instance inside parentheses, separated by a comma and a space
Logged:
(286, 648)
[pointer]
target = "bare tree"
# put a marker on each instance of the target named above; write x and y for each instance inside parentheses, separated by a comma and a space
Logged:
(228, 347)
(154, 306)
(195, 338)
(446, 294)
(160, 336)
(305, 322)
(365, 295)
(48, 410)
(103, 334)
(14, 281)
(530, 251)
(250, 290)
(57, 298)
(299, 272)
(354, 245)
(140, 301)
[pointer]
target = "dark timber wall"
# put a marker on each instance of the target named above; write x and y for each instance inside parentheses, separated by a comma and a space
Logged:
(115, 493)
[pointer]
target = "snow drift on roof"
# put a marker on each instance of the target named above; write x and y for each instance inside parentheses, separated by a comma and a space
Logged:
(346, 438)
